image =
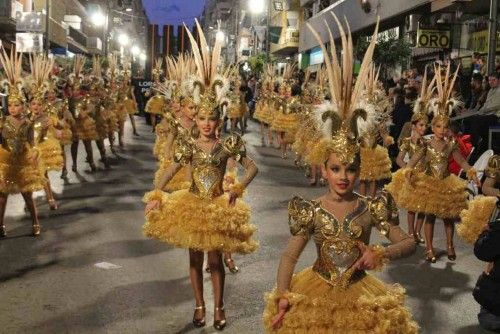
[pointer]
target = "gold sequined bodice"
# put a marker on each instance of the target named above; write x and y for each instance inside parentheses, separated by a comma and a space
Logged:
(436, 161)
(337, 241)
(208, 169)
(40, 129)
(15, 139)
(414, 148)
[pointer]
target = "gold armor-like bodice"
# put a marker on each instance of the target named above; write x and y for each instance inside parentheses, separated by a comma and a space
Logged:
(412, 149)
(337, 241)
(436, 161)
(15, 139)
(40, 129)
(208, 169)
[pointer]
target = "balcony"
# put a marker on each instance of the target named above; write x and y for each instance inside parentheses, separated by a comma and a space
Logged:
(8, 10)
(94, 45)
(288, 44)
(57, 33)
(390, 15)
(77, 41)
(224, 8)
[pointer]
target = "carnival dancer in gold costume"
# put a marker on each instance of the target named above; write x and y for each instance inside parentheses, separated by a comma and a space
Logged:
(435, 192)
(178, 118)
(410, 146)
(203, 218)
(129, 102)
(336, 295)
(482, 208)
(20, 167)
(45, 132)
(237, 107)
(156, 102)
(85, 127)
(285, 121)
(264, 110)
(375, 162)
(59, 109)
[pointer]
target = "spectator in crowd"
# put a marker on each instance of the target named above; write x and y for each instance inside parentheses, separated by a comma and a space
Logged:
(476, 91)
(487, 289)
(464, 145)
(248, 97)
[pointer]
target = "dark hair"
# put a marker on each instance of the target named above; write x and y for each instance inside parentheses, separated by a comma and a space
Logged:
(454, 127)
(477, 77)
(495, 74)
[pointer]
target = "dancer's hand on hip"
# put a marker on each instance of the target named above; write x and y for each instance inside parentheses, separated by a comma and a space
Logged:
(283, 306)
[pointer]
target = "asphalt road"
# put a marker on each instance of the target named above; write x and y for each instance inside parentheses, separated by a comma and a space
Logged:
(92, 270)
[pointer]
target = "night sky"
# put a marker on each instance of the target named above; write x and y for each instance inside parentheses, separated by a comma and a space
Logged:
(173, 12)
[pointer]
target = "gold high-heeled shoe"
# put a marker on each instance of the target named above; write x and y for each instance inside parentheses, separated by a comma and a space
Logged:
(36, 230)
(233, 269)
(199, 322)
(219, 324)
(3, 233)
(430, 257)
(452, 256)
(419, 239)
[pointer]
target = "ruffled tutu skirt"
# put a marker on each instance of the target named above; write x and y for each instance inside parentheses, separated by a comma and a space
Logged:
(444, 198)
(130, 106)
(66, 135)
(366, 306)
(181, 179)
(20, 174)
(120, 112)
(85, 129)
(187, 221)
(155, 105)
(285, 122)
(51, 154)
(399, 189)
(265, 114)
(236, 111)
(475, 217)
(375, 164)
(159, 146)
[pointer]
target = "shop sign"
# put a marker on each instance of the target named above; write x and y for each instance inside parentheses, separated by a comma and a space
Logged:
(433, 38)
(479, 41)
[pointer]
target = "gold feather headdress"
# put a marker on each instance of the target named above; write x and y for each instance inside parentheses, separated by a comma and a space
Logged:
(76, 77)
(442, 105)
(178, 72)
(422, 103)
(40, 66)
(213, 87)
(13, 69)
(157, 70)
(340, 116)
(112, 71)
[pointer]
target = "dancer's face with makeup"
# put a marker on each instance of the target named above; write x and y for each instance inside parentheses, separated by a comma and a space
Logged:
(341, 177)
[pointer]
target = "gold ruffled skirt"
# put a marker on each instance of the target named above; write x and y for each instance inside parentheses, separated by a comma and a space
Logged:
(236, 111)
(475, 217)
(19, 174)
(120, 112)
(66, 135)
(159, 147)
(130, 106)
(51, 154)
(285, 122)
(366, 306)
(375, 164)
(398, 189)
(155, 105)
(264, 113)
(187, 221)
(444, 198)
(181, 179)
(85, 129)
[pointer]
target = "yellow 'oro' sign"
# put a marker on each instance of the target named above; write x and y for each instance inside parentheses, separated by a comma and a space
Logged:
(479, 41)
(432, 38)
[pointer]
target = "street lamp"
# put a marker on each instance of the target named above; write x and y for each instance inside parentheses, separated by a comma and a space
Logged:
(135, 50)
(123, 39)
(256, 6)
(98, 19)
(143, 56)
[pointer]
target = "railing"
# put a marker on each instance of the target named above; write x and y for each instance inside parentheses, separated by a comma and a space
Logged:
(78, 36)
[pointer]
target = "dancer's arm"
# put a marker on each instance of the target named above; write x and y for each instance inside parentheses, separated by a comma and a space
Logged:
(403, 149)
(489, 187)
(471, 172)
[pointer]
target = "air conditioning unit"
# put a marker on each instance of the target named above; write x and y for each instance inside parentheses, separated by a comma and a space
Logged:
(411, 22)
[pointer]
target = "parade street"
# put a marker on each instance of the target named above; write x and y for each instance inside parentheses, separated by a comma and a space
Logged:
(93, 271)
